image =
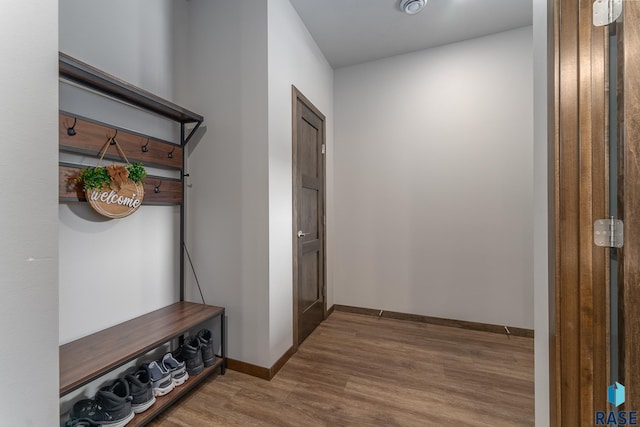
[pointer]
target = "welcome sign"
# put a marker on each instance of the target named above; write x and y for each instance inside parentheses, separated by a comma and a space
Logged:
(116, 203)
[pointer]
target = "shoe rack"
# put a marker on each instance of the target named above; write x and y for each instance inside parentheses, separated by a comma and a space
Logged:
(88, 358)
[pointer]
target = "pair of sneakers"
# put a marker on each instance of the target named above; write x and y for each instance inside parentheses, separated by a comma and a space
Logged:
(166, 374)
(115, 404)
(110, 407)
(197, 351)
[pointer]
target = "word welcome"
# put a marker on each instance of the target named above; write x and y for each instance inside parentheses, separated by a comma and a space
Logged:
(622, 418)
(113, 198)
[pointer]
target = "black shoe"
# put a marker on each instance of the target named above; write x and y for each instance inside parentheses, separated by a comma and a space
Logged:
(140, 390)
(192, 355)
(81, 422)
(206, 344)
(111, 407)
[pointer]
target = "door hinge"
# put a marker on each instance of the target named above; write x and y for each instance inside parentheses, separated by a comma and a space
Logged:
(608, 233)
(323, 149)
(606, 12)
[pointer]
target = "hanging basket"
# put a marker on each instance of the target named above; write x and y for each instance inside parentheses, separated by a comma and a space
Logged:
(114, 191)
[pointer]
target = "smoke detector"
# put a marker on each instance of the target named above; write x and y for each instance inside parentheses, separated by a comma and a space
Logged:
(411, 7)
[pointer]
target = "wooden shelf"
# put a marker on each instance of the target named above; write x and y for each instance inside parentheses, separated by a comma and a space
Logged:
(163, 402)
(88, 76)
(87, 358)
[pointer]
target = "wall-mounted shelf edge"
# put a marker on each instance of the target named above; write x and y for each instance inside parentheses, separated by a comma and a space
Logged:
(84, 74)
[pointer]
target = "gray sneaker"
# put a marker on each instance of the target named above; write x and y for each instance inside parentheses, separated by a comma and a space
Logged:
(206, 344)
(177, 369)
(161, 381)
(192, 355)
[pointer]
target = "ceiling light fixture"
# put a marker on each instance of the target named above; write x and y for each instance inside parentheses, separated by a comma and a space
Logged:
(411, 7)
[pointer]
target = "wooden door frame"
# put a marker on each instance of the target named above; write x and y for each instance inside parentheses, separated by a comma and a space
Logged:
(296, 96)
(579, 286)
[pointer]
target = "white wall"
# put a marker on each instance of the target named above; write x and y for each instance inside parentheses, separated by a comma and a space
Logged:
(144, 247)
(294, 59)
(28, 214)
(540, 214)
(132, 40)
(433, 182)
(211, 57)
(227, 198)
(243, 60)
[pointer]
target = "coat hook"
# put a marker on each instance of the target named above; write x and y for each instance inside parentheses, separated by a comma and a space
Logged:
(71, 131)
(112, 140)
(145, 146)
(156, 189)
(170, 154)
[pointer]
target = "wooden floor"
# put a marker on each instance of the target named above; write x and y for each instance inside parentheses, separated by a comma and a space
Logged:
(357, 370)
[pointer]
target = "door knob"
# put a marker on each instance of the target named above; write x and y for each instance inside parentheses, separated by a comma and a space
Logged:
(301, 234)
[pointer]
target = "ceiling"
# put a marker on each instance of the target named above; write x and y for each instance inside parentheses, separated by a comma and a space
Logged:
(350, 32)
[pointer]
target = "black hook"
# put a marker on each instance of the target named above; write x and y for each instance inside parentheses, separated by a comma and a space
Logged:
(144, 147)
(71, 131)
(170, 154)
(112, 140)
(156, 189)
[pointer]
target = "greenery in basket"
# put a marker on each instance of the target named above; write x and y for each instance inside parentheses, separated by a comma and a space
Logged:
(136, 172)
(99, 177)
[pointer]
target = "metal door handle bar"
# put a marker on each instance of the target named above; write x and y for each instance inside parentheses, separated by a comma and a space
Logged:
(301, 234)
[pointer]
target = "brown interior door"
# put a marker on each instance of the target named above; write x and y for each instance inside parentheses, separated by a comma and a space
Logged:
(579, 286)
(308, 217)
(584, 359)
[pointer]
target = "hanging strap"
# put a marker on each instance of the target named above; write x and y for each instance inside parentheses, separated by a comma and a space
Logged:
(107, 144)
